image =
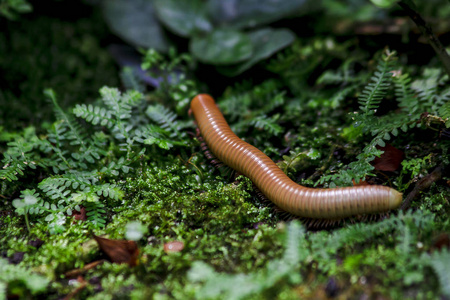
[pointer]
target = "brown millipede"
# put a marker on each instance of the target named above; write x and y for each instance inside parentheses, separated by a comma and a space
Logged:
(277, 186)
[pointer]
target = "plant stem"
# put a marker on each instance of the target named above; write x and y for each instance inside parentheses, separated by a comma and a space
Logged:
(27, 222)
(427, 32)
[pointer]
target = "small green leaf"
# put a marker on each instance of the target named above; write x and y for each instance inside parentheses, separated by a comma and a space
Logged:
(381, 143)
(135, 22)
(384, 3)
(183, 17)
(265, 42)
(18, 203)
(222, 47)
(253, 13)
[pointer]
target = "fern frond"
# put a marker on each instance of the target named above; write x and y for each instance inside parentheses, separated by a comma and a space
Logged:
(444, 113)
(55, 188)
(94, 114)
(406, 97)
(54, 142)
(428, 91)
(108, 190)
(96, 213)
(131, 81)
(113, 167)
(374, 92)
(74, 129)
(151, 134)
(440, 262)
(120, 105)
(91, 155)
(11, 169)
(164, 117)
(269, 124)
(340, 95)
(17, 159)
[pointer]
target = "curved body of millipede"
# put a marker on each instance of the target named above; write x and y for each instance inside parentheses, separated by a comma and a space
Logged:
(277, 186)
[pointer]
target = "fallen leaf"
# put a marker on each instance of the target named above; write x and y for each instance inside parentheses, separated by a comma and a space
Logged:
(80, 215)
(390, 160)
(440, 242)
(174, 246)
(119, 251)
(37, 243)
(16, 258)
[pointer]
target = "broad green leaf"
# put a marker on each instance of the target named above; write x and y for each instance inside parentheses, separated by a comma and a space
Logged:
(266, 42)
(135, 22)
(384, 3)
(253, 13)
(222, 47)
(184, 18)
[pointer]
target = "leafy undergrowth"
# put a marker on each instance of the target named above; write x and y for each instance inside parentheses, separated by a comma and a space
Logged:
(128, 166)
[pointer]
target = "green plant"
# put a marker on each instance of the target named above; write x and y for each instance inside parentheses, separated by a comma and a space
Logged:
(28, 203)
(415, 167)
(80, 169)
(387, 127)
(16, 281)
(241, 286)
(11, 8)
(444, 112)
(232, 41)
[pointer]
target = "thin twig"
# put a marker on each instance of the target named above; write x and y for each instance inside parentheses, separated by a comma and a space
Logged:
(427, 32)
(421, 185)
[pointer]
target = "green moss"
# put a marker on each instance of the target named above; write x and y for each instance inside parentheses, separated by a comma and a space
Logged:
(129, 157)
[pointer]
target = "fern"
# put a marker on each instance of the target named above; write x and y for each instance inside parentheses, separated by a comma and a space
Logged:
(94, 114)
(74, 133)
(19, 277)
(406, 228)
(96, 213)
(152, 134)
(164, 117)
(16, 159)
(427, 89)
(71, 191)
(130, 79)
(246, 102)
(296, 159)
(405, 95)
(54, 143)
(440, 262)
(120, 105)
(374, 91)
(114, 167)
(118, 108)
(268, 124)
(321, 249)
(242, 286)
(444, 113)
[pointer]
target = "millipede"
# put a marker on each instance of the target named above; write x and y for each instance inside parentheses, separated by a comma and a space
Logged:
(275, 185)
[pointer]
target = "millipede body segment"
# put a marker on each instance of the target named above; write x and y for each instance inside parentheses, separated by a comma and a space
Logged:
(277, 186)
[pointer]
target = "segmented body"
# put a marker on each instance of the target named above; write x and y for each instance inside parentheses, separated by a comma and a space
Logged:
(276, 185)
